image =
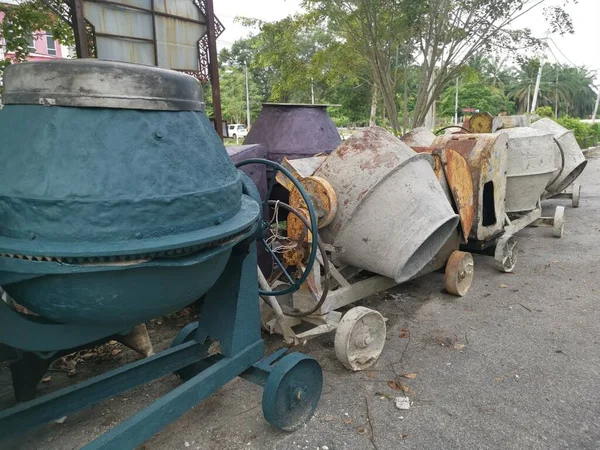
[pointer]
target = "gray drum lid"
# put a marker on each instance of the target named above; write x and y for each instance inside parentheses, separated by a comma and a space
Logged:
(92, 83)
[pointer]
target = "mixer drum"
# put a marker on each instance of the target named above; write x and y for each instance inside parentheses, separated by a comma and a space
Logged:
(530, 167)
(569, 159)
(393, 216)
(118, 200)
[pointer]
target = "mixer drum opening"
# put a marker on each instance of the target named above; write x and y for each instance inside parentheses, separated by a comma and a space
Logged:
(489, 205)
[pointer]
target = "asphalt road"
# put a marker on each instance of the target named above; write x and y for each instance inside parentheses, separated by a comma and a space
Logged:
(513, 365)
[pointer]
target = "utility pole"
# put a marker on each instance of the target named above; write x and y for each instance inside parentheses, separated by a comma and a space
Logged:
(556, 97)
(312, 89)
(405, 108)
(456, 104)
(247, 97)
(536, 91)
(528, 96)
(596, 106)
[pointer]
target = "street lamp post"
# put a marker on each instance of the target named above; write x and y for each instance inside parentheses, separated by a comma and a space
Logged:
(247, 97)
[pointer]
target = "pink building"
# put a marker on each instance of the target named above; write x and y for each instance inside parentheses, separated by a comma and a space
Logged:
(42, 46)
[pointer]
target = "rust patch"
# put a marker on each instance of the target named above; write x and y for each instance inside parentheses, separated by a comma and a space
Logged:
(300, 238)
(460, 180)
(322, 196)
(481, 123)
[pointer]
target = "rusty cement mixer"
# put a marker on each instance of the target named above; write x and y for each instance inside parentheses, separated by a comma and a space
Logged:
(382, 212)
(509, 177)
(569, 161)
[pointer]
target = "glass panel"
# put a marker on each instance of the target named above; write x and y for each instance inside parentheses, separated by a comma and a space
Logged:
(51, 45)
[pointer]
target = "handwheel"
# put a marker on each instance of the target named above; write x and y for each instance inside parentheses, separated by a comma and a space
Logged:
(559, 222)
(576, 195)
(292, 391)
(186, 335)
(459, 273)
(359, 338)
(505, 256)
(294, 284)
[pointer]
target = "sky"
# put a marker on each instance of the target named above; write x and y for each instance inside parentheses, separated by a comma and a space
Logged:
(579, 49)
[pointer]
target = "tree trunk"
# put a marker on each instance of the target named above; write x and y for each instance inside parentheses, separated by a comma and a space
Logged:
(373, 117)
(382, 78)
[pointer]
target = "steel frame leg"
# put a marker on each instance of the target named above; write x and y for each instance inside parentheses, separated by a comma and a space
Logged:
(230, 316)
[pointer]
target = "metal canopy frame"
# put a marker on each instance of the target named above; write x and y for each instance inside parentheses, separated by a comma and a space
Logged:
(72, 12)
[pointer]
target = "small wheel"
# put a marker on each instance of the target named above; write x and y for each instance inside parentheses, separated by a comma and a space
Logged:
(459, 273)
(576, 195)
(292, 392)
(359, 338)
(186, 335)
(505, 256)
(234, 136)
(559, 222)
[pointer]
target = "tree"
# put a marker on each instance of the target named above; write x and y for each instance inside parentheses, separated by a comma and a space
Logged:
(289, 57)
(377, 30)
(233, 95)
(451, 32)
(22, 20)
(568, 88)
(476, 95)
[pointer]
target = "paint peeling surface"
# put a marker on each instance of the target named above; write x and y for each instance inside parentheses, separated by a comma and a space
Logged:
(359, 164)
(393, 216)
(486, 155)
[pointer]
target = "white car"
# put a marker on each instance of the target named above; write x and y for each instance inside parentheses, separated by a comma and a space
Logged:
(237, 130)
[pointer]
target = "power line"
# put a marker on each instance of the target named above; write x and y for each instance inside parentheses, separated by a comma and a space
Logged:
(560, 51)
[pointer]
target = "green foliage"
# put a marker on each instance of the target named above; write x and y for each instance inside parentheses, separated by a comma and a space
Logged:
(233, 95)
(476, 95)
(586, 134)
(545, 111)
(571, 87)
(22, 20)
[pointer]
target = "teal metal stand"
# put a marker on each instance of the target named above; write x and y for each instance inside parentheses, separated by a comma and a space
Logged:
(230, 323)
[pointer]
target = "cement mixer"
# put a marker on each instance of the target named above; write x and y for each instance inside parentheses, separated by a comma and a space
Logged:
(569, 161)
(511, 169)
(381, 210)
(119, 204)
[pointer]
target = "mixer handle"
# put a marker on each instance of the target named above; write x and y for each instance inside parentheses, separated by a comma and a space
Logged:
(314, 224)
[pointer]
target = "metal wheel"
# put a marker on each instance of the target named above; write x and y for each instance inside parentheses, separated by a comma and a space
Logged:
(186, 335)
(505, 256)
(359, 338)
(294, 284)
(576, 195)
(292, 392)
(459, 273)
(559, 222)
